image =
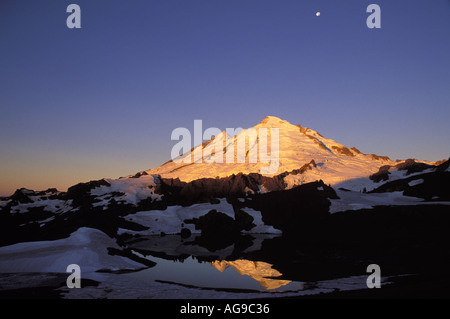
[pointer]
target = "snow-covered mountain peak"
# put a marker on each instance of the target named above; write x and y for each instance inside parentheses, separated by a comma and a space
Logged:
(297, 146)
(269, 121)
(276, 122)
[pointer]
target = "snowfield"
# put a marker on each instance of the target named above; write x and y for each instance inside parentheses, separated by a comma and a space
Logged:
(172, 220)
(134, 189)
(86, 247)
(353, 200)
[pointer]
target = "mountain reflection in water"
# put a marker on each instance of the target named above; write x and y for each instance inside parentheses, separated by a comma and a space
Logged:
(251, 263)
(185, 262)
(260, 271)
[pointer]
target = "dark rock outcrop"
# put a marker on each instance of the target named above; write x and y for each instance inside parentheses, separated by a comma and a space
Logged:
(81, 192)
(443, 166)
(292, 210)
(343, 150)
(381, 175)
(435, 186)
(139, 174)
(215, 224)
(204, 190)
(20, 196)
(301, 170)
(378, 157)
(411, 166)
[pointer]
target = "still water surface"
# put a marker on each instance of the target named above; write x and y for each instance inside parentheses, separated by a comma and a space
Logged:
(234, 267)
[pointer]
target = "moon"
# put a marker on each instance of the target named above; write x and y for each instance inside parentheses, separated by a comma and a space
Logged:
(317, 13)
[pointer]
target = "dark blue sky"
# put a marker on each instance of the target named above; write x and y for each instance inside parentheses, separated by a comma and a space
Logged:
(102, 101)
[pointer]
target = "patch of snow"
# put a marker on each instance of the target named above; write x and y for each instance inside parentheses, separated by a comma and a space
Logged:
(400, 174)
(364, 182)
(50, 205)
(103, 201)
(358, 184)
(134, 189)
(260, 227)
(4, 203)
(171, 219)
(416, 182)
(86, 247)
(357, 200)
(42, 222)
